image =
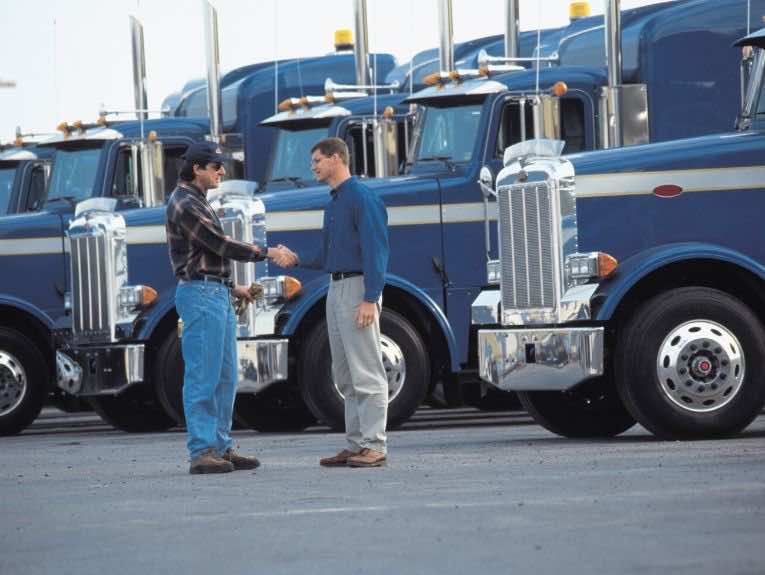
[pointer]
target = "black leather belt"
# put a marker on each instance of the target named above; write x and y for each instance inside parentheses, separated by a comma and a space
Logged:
(342, 275)
(214, 279)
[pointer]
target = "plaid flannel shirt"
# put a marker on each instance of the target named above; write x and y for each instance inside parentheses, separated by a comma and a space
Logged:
(198, 247)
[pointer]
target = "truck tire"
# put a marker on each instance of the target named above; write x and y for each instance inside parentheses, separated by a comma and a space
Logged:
(406, 364)
(276, 409)
(591, 409)
(167, 377)
(136, 410)
(23, 377)
(690, 363)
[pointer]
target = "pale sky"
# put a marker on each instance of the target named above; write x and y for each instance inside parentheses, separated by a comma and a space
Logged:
(68, 57)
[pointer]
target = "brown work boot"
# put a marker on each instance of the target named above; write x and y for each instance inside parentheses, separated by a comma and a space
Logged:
(240, 461)
(210, 462)
(338, 460)
(367, 458)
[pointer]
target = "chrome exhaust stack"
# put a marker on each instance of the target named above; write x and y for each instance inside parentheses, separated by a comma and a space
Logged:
(512, 29)
(139, 70)
(360, 44)
(624, 119)
(613, 30)
(213, 70)
(446, 36)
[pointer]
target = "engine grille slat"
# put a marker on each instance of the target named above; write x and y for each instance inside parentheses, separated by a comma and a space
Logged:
(90, 286)
(525, 218)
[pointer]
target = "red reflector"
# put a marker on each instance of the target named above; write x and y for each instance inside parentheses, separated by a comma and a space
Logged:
(667, 191)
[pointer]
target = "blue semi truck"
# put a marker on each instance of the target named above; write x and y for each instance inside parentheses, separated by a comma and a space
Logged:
(464, 121)
(640, 298)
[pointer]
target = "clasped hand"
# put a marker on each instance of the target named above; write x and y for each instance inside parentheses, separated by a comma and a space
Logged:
(282, 256)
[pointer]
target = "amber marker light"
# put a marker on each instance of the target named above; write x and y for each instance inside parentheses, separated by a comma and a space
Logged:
(606, 264)
(148, 296)
(292, 287)
(432, 79)
(559, 89)
(285, 105)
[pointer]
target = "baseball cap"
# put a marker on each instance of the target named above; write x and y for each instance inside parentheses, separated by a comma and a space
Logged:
(203, 153)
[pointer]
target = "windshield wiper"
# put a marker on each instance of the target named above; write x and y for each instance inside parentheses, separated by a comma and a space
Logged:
(292, 179)
(447, 160)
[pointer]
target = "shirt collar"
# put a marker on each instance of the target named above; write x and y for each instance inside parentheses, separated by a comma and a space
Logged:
(343, 185)
(193, 188)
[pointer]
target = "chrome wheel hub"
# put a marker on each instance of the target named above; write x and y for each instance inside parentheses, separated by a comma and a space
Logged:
(13, 383)
(394, 364)
(700, 366)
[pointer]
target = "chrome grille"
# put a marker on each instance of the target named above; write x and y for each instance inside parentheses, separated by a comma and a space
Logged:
(90, 287)
(526, 232)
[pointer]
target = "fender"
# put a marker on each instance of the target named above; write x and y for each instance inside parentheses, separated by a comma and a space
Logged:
(151, 318)
(28, 308)
(610, 293)
(317, 289)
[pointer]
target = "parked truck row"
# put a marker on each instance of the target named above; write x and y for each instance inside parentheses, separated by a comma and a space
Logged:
(435, 140)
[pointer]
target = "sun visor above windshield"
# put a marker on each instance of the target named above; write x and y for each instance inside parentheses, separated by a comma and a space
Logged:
(756, 39)
(90, 135)
(17, 155)
(305, 117)
(457, 93)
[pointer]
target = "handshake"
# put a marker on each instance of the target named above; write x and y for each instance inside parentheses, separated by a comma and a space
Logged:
(282, 256)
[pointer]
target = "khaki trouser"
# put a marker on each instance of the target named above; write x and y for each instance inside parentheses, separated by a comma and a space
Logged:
(357, 366)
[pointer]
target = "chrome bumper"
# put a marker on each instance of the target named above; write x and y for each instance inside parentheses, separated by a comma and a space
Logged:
(100, 370)
(111, 370)
(261, 363)
(539, 359)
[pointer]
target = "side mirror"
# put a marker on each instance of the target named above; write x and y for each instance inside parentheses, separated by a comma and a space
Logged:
(486, 181)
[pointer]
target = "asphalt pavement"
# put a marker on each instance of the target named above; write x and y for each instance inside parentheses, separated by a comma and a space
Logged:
(464, 492)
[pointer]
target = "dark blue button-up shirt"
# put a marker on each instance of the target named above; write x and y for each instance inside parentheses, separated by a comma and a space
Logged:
(354, 237)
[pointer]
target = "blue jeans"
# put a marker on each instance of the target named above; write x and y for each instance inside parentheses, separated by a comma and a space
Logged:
(209, 352)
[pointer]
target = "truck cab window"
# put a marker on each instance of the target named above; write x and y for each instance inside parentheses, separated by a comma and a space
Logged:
(74, 173)
(572, 125)
(7, 175)
(355, 138)
(122, 185)
(510, 126)
(293, 153)
(449, 133)
(173, 162)
(36, 187)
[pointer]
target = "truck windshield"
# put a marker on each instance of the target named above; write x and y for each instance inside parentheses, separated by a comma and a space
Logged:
(293, 153)
(7, 175)
(449, 133)
(74, 173)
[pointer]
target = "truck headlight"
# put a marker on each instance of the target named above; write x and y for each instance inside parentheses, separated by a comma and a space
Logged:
(581, 268)
(280, 287)
(131, 298)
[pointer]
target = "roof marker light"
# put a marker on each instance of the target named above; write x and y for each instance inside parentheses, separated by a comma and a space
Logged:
(559, 89)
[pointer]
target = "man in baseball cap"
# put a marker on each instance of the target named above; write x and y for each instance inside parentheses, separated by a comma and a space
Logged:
(203, 153)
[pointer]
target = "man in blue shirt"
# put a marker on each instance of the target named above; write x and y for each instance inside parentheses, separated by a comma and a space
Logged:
(354, 250)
